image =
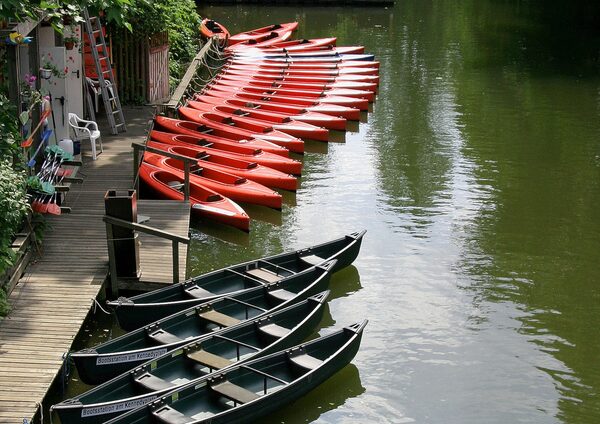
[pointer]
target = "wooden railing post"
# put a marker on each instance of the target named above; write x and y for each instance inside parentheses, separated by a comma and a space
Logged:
(112, 264)
(187, 163)
(186, 180)
(136, 169)
(175, 239)
(175, 245)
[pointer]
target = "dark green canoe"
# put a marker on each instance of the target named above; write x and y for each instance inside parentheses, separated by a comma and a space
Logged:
(142, 309)
(212, 353)
(116, 356)
(253, 389)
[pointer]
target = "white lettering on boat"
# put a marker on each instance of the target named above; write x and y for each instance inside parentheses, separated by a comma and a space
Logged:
(117, 407)
(130, 357)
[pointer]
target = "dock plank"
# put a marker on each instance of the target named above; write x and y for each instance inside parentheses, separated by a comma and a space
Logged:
(55, 294)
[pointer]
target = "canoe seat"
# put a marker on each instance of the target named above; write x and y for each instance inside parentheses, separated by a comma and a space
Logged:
(282, 294)
(213, 197)
(240, 112)
(252, 105)
(152, 383)
(240, 180)
(305, 361)
(264, 274)
(167, 415)
(196, 170)
(208, 359)
(228, 121)
(234, 392)
(204, 129)
(198, 292)
(312, 259)
(274, 330)
(161, 336)
(218, 318)
(176, 185)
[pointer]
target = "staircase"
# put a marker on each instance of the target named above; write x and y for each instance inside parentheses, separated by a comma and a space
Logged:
(104, 72)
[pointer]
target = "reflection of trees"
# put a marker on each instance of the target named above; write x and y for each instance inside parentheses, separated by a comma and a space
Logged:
(530, 121)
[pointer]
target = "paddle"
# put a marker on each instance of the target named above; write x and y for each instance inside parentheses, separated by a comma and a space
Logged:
(45, 136)
(26, 143)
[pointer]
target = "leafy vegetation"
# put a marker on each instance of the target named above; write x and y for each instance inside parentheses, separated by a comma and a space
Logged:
(13, 188)
(179, 19)
(55, 10)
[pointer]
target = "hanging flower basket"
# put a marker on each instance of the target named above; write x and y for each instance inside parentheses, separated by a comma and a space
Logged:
(69, 45)
(45, 73)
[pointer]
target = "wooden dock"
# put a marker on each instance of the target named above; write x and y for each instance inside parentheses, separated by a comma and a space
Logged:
(54, 296)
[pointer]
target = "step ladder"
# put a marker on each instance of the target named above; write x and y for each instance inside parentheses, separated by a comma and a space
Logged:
(106, 78)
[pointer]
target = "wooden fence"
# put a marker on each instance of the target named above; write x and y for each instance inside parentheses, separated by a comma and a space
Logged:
(141, 66)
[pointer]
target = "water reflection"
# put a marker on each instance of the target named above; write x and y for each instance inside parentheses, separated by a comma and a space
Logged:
(322, 402)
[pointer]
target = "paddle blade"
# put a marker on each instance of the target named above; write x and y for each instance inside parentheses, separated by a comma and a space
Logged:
(54, 209)
(27, 143)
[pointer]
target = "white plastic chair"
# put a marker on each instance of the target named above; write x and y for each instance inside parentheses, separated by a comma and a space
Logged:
(83, 129)
(94, 86)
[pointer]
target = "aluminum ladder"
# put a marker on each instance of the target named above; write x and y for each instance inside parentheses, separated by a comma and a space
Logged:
(106, 78)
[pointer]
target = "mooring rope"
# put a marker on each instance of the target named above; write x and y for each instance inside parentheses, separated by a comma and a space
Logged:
(98, 305)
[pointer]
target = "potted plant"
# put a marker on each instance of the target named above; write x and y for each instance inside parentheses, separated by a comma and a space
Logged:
(49, 70)
(71, 41)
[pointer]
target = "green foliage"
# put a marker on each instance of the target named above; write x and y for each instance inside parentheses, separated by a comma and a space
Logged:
(13, 207)
(54, 10)
(13, 194)
(179, 19)
(9, 130)
(4, 308)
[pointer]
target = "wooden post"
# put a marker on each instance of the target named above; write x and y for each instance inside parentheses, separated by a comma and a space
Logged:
(114, 281)
(187, 161)
(175, 261)
(186, 180)
(136, 169)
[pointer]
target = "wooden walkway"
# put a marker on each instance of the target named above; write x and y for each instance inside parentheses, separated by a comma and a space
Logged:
(56, 292)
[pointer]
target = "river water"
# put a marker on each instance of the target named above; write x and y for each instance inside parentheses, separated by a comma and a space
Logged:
(477, 177)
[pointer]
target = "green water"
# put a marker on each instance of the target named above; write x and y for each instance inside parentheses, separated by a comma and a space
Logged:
(477, 176)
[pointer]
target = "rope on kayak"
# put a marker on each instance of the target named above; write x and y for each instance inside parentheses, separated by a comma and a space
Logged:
(97, 304)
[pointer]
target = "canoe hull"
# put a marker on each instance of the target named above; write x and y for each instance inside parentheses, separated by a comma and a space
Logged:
(109, 359)
(261, 174)
(137, 311)
(108, 400)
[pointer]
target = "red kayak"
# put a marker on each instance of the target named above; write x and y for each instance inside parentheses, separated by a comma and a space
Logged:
(291, 45)
(251, 170)
(210, 28)
(265, 41)
(230, 151)
(259, 34)
(356, 85)
(283, 124)
(284, 96)
(264, 48)
(340, 60)
(280, 111)
(236, 188)
(204, 202)
(243, 129)
(211, 133)
(307, 78)
(275, 63)
(349, 113)
(251, 67)
(299, 90)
